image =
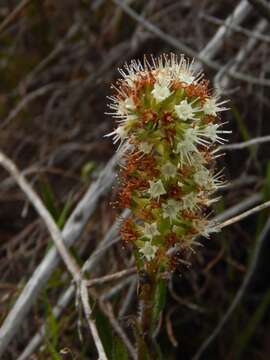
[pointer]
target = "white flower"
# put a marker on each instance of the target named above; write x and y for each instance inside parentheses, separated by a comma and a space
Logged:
(119, 134)
(211, 107)
(171, 209)
(182, 70)
(202, 177)
(211, 132)
(190, 201)
(156, 189)
(131, 72)
(160, 92)
(163, 77)
(129, 104)
(123, 110)
(148, 250)
(125, 105)
(145, 147)
(205, 228)
(187, 147)
(185, 111)
(194, 135)
(161, 88)
(168, 170)
(198, 160)
(150, 230)
(186, 77)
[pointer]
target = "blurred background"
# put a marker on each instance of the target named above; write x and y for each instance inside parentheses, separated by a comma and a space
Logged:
(57, 62)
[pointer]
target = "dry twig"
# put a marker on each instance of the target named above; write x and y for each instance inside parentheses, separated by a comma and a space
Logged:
(70, 233)
(245, 144)
(245, 214)
(12, 16)
(57, 238)
(239, 295)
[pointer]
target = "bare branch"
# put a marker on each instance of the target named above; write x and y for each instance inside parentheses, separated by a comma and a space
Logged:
(245, 214)
(108, 311)
(12, 16)
(43, 213)
(240, 29)
(210, 49)
(110, 239)
(240, 12)
(222, 78)
(27, 99)
(111, 277)
(57, 238)
(245, 144)
(91, 323)
(70, 233)
(239, 294)
(238, 208)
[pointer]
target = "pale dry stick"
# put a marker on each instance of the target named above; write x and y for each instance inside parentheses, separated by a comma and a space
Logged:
(107, 309)
(159, 33)
(241, 11)
(57, 238)
(238, 208)
(237, 28)
(213, 46)
(239, 293)
(222, 80)
(95, 257)
(245, 214)
(242, 180)
(245, 144)
(109, 240)
(72, 230)
(43, 213)
(60, 307)
(118, 287)
(91, 323)
(111, 277)
(28, 98)
(210, 50)
(57, 49)
(128, 298)
(12, 16)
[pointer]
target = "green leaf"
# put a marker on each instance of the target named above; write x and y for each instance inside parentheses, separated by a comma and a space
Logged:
(241, 123)
(64, 213)
(119, 350)
(243, 129)
(105, 332)
(52, 331)
(87, 169)
(49, 199)
(159, 301)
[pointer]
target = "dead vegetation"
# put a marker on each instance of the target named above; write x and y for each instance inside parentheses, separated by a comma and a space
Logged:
(57, 61)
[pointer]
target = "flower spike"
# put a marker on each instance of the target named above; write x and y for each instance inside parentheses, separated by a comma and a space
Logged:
(168, 117)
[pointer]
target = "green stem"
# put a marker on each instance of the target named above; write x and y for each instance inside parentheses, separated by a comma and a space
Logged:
(146, 346)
